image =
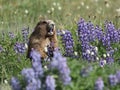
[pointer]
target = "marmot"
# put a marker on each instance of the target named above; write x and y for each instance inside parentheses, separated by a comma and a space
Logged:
(43, 35)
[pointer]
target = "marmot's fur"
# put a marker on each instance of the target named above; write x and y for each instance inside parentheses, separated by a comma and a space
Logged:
(43, 35)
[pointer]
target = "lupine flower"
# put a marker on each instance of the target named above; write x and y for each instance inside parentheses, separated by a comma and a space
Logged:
(35, 84)
(50, 83)
(113, 33)
(86, 31)
(36, 62)
(64, 73)
(32, 75)
(109, 60)
(34, 55)
(99, 33)
(55, 63)
(92, 35)
(86, 34)
(116, 36)
(110, 53)
(28, 74)
(99, 84)
(112, 80)
(25, 33)
(15, 84)
(37, 66)
(102, 62)
(118, 76)
(19, 48)
(89, 52)
(11, 35)
(60, 63)
(106, 40)
(68, 43)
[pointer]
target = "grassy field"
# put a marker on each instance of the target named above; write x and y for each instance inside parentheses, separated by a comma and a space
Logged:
(18, 14)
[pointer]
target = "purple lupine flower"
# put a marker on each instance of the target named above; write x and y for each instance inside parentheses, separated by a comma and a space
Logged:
(64, 72)
(60, 63)
(50, 83)
(55, 63)
(99, 84)
(89, 52)
(102, 62)
(11, 35)
(112, 80)
(15, 84)
(109, 59)
(118, 34)
(25, 33)
(115, 38)
(111, 30)
(68, 43)
(36, 62)
(110, 52)
(99, 33)
(106, 40)
(91, 32)
(85, 48)
(37, 66)
(118, 76)
(35, 84)
(86, 34)
(93, 35)
(86, 31)
(35, 55)
(28, 74)
(20, 48)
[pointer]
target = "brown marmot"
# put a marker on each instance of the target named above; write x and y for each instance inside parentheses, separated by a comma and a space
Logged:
(43, 35)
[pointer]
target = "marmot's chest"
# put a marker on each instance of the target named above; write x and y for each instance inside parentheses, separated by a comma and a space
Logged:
(45, 43)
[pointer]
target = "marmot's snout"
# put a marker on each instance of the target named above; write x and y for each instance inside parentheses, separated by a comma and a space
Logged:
(50, 27)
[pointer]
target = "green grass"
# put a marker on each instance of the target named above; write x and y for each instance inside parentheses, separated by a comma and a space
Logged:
(13, 16)
(17, 14)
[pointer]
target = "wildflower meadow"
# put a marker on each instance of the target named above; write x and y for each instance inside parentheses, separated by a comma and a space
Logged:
(88, 56)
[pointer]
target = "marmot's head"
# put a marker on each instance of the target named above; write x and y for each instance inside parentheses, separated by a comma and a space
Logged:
(45, 28)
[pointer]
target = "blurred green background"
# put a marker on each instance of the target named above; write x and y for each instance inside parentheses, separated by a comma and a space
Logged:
(15, 14)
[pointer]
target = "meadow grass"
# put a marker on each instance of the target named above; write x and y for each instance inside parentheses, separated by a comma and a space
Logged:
(16, 14)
